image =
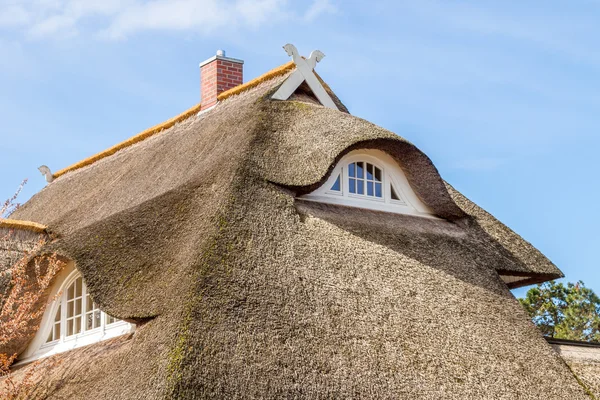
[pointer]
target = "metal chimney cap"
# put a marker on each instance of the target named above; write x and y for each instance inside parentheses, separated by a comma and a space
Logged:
(220, 56)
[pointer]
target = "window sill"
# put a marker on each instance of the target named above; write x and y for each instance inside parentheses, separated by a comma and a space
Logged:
(81, 339)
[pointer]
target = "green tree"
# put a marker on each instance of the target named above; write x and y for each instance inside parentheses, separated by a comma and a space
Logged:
(564, 312)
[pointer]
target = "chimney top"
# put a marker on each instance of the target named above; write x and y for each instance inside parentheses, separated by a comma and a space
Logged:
(221, 56)
(218, 74)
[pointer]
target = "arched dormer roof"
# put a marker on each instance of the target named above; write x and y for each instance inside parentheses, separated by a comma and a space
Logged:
(371, 179)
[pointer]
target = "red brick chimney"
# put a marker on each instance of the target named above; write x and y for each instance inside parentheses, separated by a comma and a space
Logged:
(218, 74)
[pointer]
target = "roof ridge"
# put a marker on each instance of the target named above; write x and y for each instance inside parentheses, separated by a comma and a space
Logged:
(131, 141)
(25, 225)
(275, 72)
(282, 69)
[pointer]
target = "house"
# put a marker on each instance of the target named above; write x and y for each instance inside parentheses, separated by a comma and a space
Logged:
(268, 244)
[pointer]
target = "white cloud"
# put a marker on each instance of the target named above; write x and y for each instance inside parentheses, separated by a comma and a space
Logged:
(543, 28)
(319, 7)
(117, 19)
(204, 16)
(257, 12)
(13, 16)
(56, 24)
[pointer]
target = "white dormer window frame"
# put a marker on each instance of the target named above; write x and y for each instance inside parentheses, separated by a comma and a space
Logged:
(396, 194)
(61, 330)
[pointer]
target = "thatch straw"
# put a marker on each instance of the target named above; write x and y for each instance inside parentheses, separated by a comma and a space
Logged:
(584, 362)
(24, 225)
(281, 70)
(131, 141)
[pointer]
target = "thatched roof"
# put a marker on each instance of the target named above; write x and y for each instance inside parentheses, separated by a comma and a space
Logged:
(583, 359)
(16, 242)
(22, 225)
(18, 239)
(20, 242)
(242, 290)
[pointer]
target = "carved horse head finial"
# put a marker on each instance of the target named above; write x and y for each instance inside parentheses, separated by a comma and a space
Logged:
(47, 173)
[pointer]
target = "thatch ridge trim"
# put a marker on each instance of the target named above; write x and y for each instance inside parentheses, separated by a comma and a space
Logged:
(133, 140)
(23, 225)
(281, 70)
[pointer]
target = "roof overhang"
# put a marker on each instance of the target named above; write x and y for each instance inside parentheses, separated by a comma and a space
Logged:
(515, 280)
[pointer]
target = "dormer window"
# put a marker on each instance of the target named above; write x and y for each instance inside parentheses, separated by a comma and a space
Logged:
(370, 179)
(365, 179)
(72, 319)
(79, 315)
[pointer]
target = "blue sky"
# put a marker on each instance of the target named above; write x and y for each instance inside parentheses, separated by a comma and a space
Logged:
(503, 96)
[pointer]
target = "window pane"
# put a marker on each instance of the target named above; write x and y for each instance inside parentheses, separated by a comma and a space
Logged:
(369, 188)
(78, 287)
(378, 190)
(77, 325)
(337, 186)
(360, 186)
(352, 186)
(96, 318)
(360, 170)
(49, 339)
(82, 313)
(377, 174)
(57, 316)
(55, 331)
(370, 171)
(351, 170)
(394, 195)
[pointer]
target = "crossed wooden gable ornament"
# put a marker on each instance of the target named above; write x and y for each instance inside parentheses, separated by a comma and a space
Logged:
(304, 73)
